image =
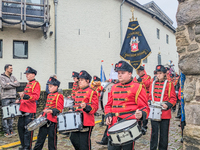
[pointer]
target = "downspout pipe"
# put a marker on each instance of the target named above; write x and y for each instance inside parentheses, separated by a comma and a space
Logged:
(55, 3)
(121, 27)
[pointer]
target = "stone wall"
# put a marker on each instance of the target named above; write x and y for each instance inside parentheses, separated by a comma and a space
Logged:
(188, 47)
(40, 106)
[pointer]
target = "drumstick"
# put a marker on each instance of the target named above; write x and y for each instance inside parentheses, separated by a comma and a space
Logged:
(132, 114)
(80, 104)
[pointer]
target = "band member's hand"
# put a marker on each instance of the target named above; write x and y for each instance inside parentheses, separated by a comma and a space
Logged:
(83, 105)
(164, 106)
(138, 114)
(70, 110)
(8, 83)
(15, 81)
(21, 94)
(149, 103)
(48, 111)
(17, 101)
(108, 120)
(40, 116)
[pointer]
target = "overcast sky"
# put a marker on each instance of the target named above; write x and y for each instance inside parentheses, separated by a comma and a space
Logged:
(168, 6)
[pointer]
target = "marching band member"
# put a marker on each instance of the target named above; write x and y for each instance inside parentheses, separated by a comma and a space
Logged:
(54, 106)
(97, 86)
(75, 84)
(169, 100)
(85, 101)
(145, 80)
(28, 107)
(125, 98)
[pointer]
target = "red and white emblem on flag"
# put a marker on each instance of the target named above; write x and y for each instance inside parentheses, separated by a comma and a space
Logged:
(134, 47)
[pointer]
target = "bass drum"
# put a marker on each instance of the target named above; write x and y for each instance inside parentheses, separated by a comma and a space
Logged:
(104, 94)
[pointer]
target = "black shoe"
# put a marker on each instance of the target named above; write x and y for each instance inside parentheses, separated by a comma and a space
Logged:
(178, 117)
(101, 124)
(179, 125)
(144, 131)
(101, 143)
(181, 140)
(20, 148)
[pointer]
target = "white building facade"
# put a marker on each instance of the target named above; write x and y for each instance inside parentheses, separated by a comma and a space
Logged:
(88, 31)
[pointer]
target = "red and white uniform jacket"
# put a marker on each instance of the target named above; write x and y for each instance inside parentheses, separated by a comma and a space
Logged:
(55, 102)
(146, 81)
(31, 95)
(74, 89)
(87, 95)
(124, 99)
(169, 97)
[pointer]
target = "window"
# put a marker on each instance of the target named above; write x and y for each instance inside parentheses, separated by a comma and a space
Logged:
(145, 60)
(20, 49)
(70, 85)
(1, 48)
(167, 39)
(158, 33)
(159, 59)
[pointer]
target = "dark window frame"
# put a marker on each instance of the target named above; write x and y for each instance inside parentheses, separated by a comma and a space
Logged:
(159, 59)
(26, 47)
(1, 48)
(167, 38)
(158, 33)
(70, 85)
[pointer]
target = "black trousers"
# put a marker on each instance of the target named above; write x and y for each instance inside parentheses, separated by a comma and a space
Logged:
(25, 136)
(81, 140)
(51, 131)
(105, 137)
(124, 147)
(163, 126)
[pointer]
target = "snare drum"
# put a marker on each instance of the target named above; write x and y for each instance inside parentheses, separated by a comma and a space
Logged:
(70, 121)
(155, 112)
(36, 123)
(68, 102)
(11, 111)
(124, 132)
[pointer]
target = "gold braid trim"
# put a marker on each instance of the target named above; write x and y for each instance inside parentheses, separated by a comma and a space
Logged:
(91, 96)
(169, 92)
(57, 100)
(34, 85)
(138, 92)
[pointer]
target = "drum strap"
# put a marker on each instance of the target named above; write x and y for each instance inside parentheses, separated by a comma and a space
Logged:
(163, 91)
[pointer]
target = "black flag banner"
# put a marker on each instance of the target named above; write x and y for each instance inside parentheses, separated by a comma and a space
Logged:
(135, 47)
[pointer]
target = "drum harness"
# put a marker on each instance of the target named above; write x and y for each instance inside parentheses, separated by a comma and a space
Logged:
(162, 94)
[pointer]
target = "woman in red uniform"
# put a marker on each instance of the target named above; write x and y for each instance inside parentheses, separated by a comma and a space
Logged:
(169, 100)
(87, 102)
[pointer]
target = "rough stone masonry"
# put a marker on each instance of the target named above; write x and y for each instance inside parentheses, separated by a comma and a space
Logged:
(188, 47)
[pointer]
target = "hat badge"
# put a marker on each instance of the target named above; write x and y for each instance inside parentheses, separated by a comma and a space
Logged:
(120, 64)
(81, 73)
(26, 69)
(158, 67)
(49, 79)
(95, 78)
(73, 73)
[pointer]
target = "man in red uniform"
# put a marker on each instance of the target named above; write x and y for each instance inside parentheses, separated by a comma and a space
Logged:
(86, 101)
(54, 106)
(145, 80)
(169, 100)
(125, 98)
(75, 84)
(28, 107)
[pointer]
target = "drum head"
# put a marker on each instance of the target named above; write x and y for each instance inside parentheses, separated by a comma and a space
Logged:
(107, 89)
(122, 126)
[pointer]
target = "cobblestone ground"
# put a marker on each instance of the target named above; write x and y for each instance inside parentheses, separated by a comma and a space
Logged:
(141, 144)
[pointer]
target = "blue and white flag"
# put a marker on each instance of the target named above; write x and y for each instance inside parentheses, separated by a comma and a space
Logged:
(102, 74)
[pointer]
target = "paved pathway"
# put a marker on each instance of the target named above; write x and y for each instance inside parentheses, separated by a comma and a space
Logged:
(141, 144)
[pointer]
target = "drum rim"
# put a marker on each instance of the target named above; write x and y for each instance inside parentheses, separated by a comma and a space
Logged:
(126, 142)
(122, 130)
(106, 86)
